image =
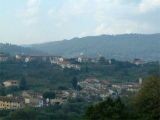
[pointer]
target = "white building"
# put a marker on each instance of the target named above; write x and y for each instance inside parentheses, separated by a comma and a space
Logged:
(3, 57)
(10, 83)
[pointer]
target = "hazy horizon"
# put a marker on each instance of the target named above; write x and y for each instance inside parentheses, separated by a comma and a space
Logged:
(25, 44)
(39, 21)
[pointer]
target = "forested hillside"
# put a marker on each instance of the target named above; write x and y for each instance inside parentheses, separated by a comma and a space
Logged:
(15, 49)
(126, 46)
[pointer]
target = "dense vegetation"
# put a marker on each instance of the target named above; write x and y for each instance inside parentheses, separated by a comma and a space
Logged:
(142, 106)
(44, 76)
(74, 110)
(15, 49)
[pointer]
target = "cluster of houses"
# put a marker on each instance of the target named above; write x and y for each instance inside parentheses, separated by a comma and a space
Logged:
(31, 98)
(91, 88)
(35, 99)
(128, 87)
(11, 83)
(138, 61)
(63, 62)
(11, 102)
(62, 96)
(3, 57)
(58, 60)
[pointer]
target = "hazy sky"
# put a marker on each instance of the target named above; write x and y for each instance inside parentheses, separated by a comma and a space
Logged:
(34, 21)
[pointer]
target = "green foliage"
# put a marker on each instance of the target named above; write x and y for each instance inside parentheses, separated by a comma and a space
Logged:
(110, 109)
(69, 111)
(26, 114)
(23, 84)
(11, 90)
(15, 49)
(50, 95)
(147, 101)
(2, 91)
(124, 47)
(144, 106)
(102, 60)
(74, 83)
(62, 88)
(44, 76)
(4, 113)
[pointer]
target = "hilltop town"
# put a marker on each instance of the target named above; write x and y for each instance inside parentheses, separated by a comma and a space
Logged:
(26, 90)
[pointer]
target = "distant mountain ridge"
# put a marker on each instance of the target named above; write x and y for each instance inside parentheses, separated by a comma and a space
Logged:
(15, 49)
(124, 46)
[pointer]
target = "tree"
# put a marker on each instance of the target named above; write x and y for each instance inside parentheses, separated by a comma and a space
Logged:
(62, 88)
(102, 60)
(12, 89)
(75, 83)
(111, 109)
(23, 84)
(79, 88)
(25, 114)
(147, 101)
(2, 91)
(50, 95)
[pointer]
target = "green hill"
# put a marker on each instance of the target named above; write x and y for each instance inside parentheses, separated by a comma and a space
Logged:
(125, 46)
(14, 49)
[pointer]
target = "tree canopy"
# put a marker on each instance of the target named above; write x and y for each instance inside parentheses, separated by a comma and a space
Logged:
(147, 101)
(110, 109)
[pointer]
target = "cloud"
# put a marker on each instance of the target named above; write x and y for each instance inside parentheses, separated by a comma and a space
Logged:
(33, 3)
(119, 28)
(104, 16)
(69, 9)
(72, 18)
(30, 13)
(148, 5)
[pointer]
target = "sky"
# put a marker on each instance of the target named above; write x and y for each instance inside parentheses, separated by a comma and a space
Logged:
(38, 21)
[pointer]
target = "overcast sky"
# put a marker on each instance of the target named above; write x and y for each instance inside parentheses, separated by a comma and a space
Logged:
(36, 21)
